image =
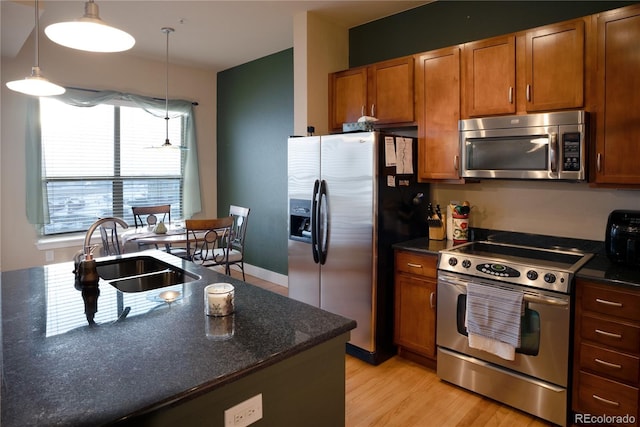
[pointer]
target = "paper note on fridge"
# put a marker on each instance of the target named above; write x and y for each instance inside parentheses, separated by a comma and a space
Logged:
(404, 156)
(389, 151)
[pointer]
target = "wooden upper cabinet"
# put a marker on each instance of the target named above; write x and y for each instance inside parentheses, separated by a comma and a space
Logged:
(383, 90)
(538, 70)
(490, 76)
(347, 96)
(391, 91)
(617, 110)
(555, 66)
(438, 111)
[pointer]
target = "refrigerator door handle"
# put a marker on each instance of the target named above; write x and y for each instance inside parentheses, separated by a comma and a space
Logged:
(314, 222)
(323, 227)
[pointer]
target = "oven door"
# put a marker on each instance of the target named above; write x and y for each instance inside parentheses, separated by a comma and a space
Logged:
(544, 349)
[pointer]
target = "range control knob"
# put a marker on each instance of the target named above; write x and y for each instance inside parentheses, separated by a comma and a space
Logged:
(466, 263)
(532, 275)
(549, 278)
(453, 261)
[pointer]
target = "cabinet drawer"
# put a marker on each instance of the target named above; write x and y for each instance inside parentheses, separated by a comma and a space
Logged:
(618, 335)
(413, 263)
(611, 301)
(612, 364)
(599, 396)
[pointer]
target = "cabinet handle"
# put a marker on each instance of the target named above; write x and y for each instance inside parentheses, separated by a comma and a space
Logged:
(611, 303)
(412, 265)
(456, 162)
(607, 401)
(362, 111)
(432, 297)
(528, 93)
(608, 364)
(373, 110)
(510, 94)
(608, 334)
(599, 162)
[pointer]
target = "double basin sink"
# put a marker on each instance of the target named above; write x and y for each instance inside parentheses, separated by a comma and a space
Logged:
(142, 273)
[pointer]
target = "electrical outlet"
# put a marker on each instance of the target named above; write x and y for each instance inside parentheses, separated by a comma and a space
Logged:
(48, 255)
(244, 413)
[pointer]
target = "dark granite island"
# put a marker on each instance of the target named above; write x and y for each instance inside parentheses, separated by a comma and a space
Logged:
(147, 362)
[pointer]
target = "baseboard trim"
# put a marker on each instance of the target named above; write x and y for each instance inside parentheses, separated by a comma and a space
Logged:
(271, 276)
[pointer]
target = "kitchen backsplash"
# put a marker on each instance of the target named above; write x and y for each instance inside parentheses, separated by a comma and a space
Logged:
(550, 208)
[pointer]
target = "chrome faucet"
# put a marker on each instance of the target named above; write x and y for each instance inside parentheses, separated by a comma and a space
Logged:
(86, 248)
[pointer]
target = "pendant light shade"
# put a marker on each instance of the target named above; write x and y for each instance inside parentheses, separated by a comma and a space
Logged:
(90, 33)
(36, 84)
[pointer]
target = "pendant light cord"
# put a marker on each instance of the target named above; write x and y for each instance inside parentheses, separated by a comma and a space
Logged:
(167, 30)
(37, 35)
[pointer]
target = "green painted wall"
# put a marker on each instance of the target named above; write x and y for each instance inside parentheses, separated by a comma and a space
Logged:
(254, 120)
(450, 22)
(255, 100)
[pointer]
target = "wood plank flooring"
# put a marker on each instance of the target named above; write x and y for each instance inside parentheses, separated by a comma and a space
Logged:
(401, 393)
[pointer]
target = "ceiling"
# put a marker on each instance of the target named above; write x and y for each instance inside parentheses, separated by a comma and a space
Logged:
(211, 34)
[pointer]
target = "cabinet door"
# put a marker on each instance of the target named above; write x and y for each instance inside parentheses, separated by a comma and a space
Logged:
(415, 317)
(555, 67)
(438, 104)
(618, 103)
(347, 96)
(490, 76)
(391, 91)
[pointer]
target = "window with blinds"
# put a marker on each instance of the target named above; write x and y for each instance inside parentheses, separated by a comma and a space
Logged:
(100, 161)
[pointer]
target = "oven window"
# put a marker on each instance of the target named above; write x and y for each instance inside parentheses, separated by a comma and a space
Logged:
(530, 153)
(529, 327)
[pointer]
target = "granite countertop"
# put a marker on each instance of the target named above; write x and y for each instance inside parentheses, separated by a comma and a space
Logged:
(143, 353)
(599, 268)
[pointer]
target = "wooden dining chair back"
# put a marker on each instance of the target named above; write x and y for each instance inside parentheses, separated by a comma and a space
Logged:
(208, 241)
(149, 215)
(238, 232)
(110, 239)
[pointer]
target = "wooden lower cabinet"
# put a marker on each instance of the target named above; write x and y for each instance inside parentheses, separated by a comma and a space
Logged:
(606, 368)
(415, 306)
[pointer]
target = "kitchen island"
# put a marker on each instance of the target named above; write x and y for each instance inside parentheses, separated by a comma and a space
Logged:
(147, 361)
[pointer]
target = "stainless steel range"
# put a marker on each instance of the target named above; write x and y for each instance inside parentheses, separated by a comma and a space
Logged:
(534, 377)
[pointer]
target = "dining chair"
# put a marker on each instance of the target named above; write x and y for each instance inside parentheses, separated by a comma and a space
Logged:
(238, 232)
(208, 241)
(148, 215)
(110, 239)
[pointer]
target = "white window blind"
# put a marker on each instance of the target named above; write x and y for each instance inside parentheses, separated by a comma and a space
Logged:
(98, 161)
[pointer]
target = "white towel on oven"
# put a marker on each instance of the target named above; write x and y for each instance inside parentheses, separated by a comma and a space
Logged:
(493, 319)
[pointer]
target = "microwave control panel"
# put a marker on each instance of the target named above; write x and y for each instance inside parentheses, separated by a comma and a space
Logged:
(571, 152)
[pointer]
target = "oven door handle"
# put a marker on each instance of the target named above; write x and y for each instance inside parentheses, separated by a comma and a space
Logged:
(546, 300)
(537, 299)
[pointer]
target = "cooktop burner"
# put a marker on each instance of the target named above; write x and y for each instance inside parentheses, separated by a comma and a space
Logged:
(551, 269)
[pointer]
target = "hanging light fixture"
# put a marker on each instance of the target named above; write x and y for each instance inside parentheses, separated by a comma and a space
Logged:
(167, 143)
(90, 33)
(36, 84)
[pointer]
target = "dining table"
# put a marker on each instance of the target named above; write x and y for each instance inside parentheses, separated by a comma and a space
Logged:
(175, 235)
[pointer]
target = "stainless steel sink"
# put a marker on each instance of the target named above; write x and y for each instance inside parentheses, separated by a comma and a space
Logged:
(143, 273)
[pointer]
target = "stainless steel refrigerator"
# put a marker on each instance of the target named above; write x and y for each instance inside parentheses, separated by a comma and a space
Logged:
(351, 197)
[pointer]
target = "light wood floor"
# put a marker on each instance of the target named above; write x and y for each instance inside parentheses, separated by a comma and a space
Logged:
(401, 393)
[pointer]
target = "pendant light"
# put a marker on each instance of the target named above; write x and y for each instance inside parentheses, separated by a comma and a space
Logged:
(90, 33)
(167, 143)
(36, 84)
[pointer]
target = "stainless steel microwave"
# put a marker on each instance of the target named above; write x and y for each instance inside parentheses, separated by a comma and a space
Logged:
(532, 146)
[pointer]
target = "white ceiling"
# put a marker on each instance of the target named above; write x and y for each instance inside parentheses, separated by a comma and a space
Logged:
(211, 34)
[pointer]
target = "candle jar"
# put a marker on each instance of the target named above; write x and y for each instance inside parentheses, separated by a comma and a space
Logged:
(219, 299)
